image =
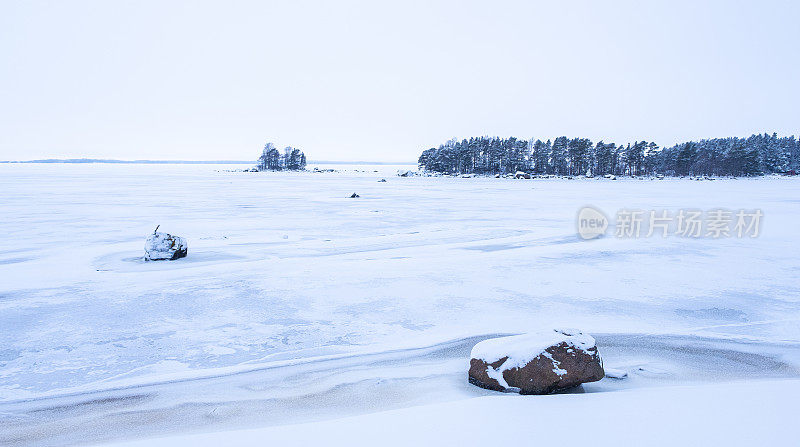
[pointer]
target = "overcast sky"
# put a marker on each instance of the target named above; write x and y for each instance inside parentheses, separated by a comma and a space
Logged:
(369, 81)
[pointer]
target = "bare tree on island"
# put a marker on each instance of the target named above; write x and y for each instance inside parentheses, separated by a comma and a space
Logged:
(271, 159)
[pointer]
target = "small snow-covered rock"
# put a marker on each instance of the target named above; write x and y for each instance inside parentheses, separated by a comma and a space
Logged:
(523, 175)
(160, 246)
(354, 196)
(536, 363)
(616, 373)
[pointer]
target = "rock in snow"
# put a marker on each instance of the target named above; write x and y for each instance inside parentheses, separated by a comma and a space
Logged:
(616, 373)
(536, 363)
(355, 196)
(160, 246)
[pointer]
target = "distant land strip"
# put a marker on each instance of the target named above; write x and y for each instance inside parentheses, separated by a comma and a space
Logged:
(197, 162)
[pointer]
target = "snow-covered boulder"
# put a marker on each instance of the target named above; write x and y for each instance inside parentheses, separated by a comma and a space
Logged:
(536, 363)
(523, 175)
(160, 246)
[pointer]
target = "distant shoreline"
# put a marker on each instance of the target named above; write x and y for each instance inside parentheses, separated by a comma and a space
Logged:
(196, 162)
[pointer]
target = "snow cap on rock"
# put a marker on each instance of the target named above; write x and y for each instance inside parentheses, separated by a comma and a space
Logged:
(521, 349)
(161, 246)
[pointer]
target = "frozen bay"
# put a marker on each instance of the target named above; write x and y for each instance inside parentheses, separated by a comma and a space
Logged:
(284, 269)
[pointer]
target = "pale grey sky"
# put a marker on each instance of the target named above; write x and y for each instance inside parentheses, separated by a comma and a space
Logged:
(383, 81)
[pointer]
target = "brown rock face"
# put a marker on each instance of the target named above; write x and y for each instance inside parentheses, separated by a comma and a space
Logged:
(559, 367)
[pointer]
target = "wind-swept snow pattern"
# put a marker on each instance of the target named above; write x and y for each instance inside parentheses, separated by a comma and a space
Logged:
(714, 414)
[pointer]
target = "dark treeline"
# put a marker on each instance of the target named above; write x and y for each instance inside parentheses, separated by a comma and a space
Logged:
(273, 160)
(758, 154)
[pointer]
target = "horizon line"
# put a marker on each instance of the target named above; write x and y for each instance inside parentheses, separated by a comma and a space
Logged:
(149, 161)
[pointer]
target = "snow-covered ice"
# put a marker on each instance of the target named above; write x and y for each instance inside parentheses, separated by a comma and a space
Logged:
(675, 416)
(297, 304)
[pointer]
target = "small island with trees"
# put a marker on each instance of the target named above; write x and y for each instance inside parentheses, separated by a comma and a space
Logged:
(272, 159)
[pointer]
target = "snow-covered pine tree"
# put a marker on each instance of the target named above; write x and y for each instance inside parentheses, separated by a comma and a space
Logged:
(540, 156)
(558, 156)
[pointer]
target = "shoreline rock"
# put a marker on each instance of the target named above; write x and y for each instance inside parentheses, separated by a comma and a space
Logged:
(537, 363)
